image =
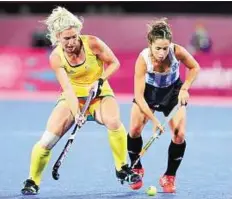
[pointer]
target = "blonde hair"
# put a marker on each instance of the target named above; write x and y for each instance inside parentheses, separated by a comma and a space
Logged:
(59, 20)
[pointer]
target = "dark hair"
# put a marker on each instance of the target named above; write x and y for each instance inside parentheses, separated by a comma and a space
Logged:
(159, 29)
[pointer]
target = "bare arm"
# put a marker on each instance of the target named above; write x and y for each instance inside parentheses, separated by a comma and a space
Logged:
(105, 54)
(187, 59)
(139, 88)
(62, 78)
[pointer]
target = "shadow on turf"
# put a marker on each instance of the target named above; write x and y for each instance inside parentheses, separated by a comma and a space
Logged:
(79, 196)
(107, 195)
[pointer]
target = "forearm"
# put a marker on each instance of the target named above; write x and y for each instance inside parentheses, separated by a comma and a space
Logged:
(110, 70)
(146, 109)
(192, 74)
(72, 101)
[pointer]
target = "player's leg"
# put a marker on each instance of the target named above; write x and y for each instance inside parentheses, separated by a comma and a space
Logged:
(176, 150)
(108, 114)
(134, 137)
(58, 123)
(134, 140)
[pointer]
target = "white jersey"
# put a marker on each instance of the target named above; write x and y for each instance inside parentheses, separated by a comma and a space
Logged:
(157, 79)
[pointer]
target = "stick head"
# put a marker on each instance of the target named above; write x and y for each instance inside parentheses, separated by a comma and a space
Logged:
(55, 175)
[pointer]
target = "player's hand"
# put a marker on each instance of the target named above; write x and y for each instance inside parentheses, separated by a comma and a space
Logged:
(158, 127)
(96, 87)
(183, 97)
(80, 119)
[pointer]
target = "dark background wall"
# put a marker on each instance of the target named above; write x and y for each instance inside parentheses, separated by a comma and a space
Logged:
(204, 7)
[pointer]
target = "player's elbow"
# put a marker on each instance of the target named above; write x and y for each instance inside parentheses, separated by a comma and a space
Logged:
(117, 64)
(197, 69)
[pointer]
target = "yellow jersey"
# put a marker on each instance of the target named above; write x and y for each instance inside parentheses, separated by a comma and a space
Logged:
(83, 75)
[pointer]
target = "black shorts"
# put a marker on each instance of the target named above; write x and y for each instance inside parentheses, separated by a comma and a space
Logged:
(162, 99)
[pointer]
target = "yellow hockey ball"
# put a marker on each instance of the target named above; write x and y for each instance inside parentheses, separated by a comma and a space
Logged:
(151, 191)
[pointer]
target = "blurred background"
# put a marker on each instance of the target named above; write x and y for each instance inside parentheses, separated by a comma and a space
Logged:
(203, 28)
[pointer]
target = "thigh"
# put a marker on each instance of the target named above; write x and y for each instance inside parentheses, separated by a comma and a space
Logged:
(61, 119)
(137, 121)
(107, 110)
(94, 110)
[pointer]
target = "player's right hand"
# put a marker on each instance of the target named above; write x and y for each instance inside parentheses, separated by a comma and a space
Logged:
(80, 119)
(158, 127)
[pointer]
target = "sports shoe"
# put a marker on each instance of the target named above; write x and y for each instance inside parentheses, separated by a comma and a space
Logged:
(139, 171)
(139, 184)
(30, 188)
(127, 174)
(168, 184)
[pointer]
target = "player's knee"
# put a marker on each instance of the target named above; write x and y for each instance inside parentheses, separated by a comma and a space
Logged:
(112, 123)
(135, 131)
(48, 140)
(179, 136)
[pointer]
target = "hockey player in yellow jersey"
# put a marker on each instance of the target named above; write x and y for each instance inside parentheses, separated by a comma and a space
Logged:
(78, 62)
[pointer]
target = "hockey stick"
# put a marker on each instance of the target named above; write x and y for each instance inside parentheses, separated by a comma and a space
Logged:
(156, 136)
(63, 154)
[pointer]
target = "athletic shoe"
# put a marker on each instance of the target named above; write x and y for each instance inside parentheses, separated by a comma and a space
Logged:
(30, 188)
(168, 184)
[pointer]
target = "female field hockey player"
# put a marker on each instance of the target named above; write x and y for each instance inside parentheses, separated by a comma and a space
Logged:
(157, 87)
(78, 62)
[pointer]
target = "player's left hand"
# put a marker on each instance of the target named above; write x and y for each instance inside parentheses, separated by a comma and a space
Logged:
(183, 97)
(96, 87)
(80, 119)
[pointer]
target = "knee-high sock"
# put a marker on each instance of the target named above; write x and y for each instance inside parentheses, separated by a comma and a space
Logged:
(118, 144)
(39, 160)
(175, 156)
(134, 146)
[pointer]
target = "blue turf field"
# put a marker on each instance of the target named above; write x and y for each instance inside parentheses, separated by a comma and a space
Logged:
(88, 171)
